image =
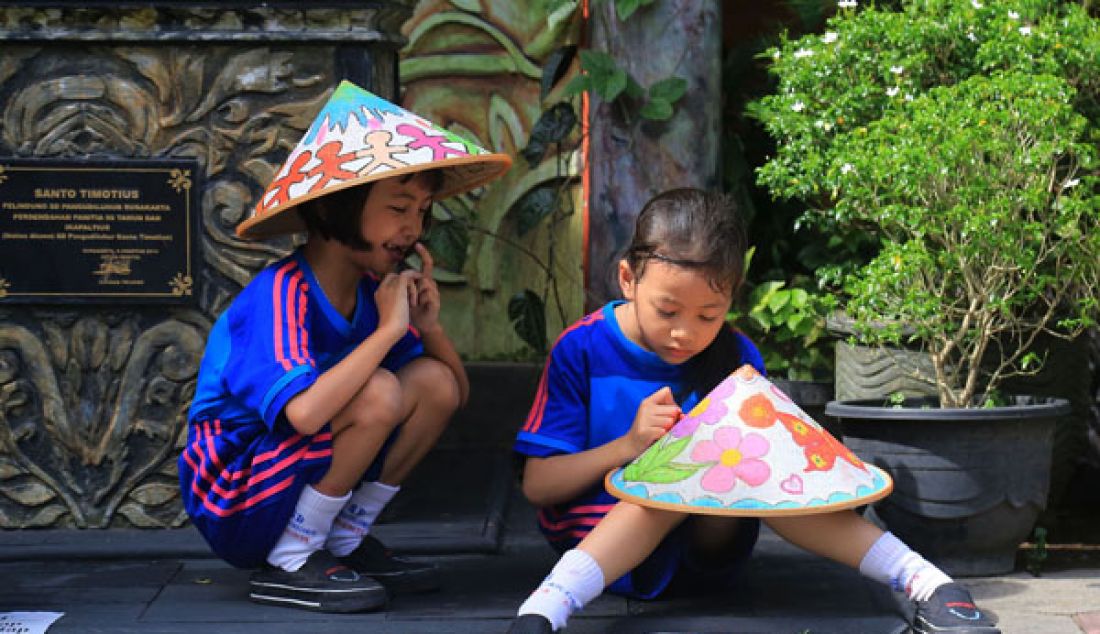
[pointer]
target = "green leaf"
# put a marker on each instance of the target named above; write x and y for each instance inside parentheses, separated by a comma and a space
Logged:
(535, 205)
(577, 85)
(626, 8)
(614, 85)
(552, 127)
(656, 110)
(597, 62)
(528, 316)
(668, 474)
(778, 300)
(448, 242)
(633, 90)
(557, 64)
(668, 450)
(669, 90)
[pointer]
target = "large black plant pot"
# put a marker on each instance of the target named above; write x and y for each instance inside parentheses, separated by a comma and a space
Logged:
(968, 483)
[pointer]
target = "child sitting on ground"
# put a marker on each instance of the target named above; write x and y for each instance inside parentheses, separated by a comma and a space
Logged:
(329, 376)
(616, 381)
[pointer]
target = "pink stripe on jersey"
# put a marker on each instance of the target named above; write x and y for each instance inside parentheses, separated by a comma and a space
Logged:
(292, 321)
(601, 509)
(567, 523)
(303, 338)
(276, 314)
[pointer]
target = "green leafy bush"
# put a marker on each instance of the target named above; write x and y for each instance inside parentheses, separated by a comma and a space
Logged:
(961, 135)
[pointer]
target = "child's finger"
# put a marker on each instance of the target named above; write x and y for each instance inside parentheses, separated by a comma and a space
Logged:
(669, 411)
(663, 396)
(428, 264)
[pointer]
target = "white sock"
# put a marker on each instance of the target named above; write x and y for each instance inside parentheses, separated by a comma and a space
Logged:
(891, 562)
(307, 529)
(355, 519)
(574, 581)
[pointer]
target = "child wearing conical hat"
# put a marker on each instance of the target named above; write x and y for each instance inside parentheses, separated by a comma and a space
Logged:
(330, 376)
(614, 385)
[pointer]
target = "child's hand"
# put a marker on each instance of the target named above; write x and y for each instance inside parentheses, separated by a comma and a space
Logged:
(425, 301)
(657, 413)
(392, 297)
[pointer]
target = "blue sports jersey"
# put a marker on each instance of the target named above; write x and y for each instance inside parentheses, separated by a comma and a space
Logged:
(594, 380)
(244, 464)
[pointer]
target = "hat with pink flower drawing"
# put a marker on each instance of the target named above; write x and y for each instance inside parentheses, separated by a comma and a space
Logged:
(358, 138)
(747, 450)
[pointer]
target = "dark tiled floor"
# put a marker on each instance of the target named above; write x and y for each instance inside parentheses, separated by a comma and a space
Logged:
(783, 591)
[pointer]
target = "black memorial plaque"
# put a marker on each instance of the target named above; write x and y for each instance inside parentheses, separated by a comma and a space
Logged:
(103, 231)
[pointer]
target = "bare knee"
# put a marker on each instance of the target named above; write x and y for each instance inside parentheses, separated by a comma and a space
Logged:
(435, 385)
(376, 405)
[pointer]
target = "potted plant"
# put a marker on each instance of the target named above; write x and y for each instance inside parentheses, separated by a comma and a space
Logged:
(961, 136)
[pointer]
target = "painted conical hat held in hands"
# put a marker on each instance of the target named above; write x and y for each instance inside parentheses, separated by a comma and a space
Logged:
(747, 450)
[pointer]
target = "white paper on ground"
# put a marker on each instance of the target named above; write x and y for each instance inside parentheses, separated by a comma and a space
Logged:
(27, 622)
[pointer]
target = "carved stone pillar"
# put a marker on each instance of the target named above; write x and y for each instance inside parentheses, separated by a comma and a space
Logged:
(93, 399)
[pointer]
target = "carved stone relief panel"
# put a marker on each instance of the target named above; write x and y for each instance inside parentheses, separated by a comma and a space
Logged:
(93, 400)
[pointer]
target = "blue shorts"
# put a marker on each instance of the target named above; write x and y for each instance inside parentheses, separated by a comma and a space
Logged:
(672, 567)
(245, 539)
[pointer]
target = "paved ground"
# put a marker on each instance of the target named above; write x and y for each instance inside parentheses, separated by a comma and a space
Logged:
(129, 588)
(482, 534)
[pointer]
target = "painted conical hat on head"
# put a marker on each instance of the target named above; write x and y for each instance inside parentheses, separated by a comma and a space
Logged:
(747, 450)
(358, 138)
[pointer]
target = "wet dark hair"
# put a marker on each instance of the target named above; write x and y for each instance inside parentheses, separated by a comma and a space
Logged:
(337, 216)
(698, 230)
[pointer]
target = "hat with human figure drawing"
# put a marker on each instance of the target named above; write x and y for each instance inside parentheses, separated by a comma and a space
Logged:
(747, 450)
(359, 138)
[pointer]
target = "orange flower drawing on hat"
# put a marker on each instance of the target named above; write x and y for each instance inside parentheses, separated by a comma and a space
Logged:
(758, 411)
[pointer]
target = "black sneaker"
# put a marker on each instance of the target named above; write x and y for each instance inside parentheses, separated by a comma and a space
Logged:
(531, 624)
(322, 584)
(397, 574)
(950, 609)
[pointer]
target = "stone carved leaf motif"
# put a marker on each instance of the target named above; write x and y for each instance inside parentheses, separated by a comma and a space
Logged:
(71, 114)
(238, 111)
(101, 441)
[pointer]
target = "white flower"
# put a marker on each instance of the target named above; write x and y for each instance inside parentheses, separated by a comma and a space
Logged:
(776, 55)
(908, 97)
(897, 70)
(803, 52)
(829, 37)
(847, 167)
(819, 124)
(970, 36)
(1070, 183)
(1025, 30)
(847, 4)
(1014, 15)
(798, 106)
(976, 4)
(891, 91)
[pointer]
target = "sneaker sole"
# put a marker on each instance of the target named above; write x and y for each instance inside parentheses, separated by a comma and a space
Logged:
(923, 627)
(407, 582)
(337, 600)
